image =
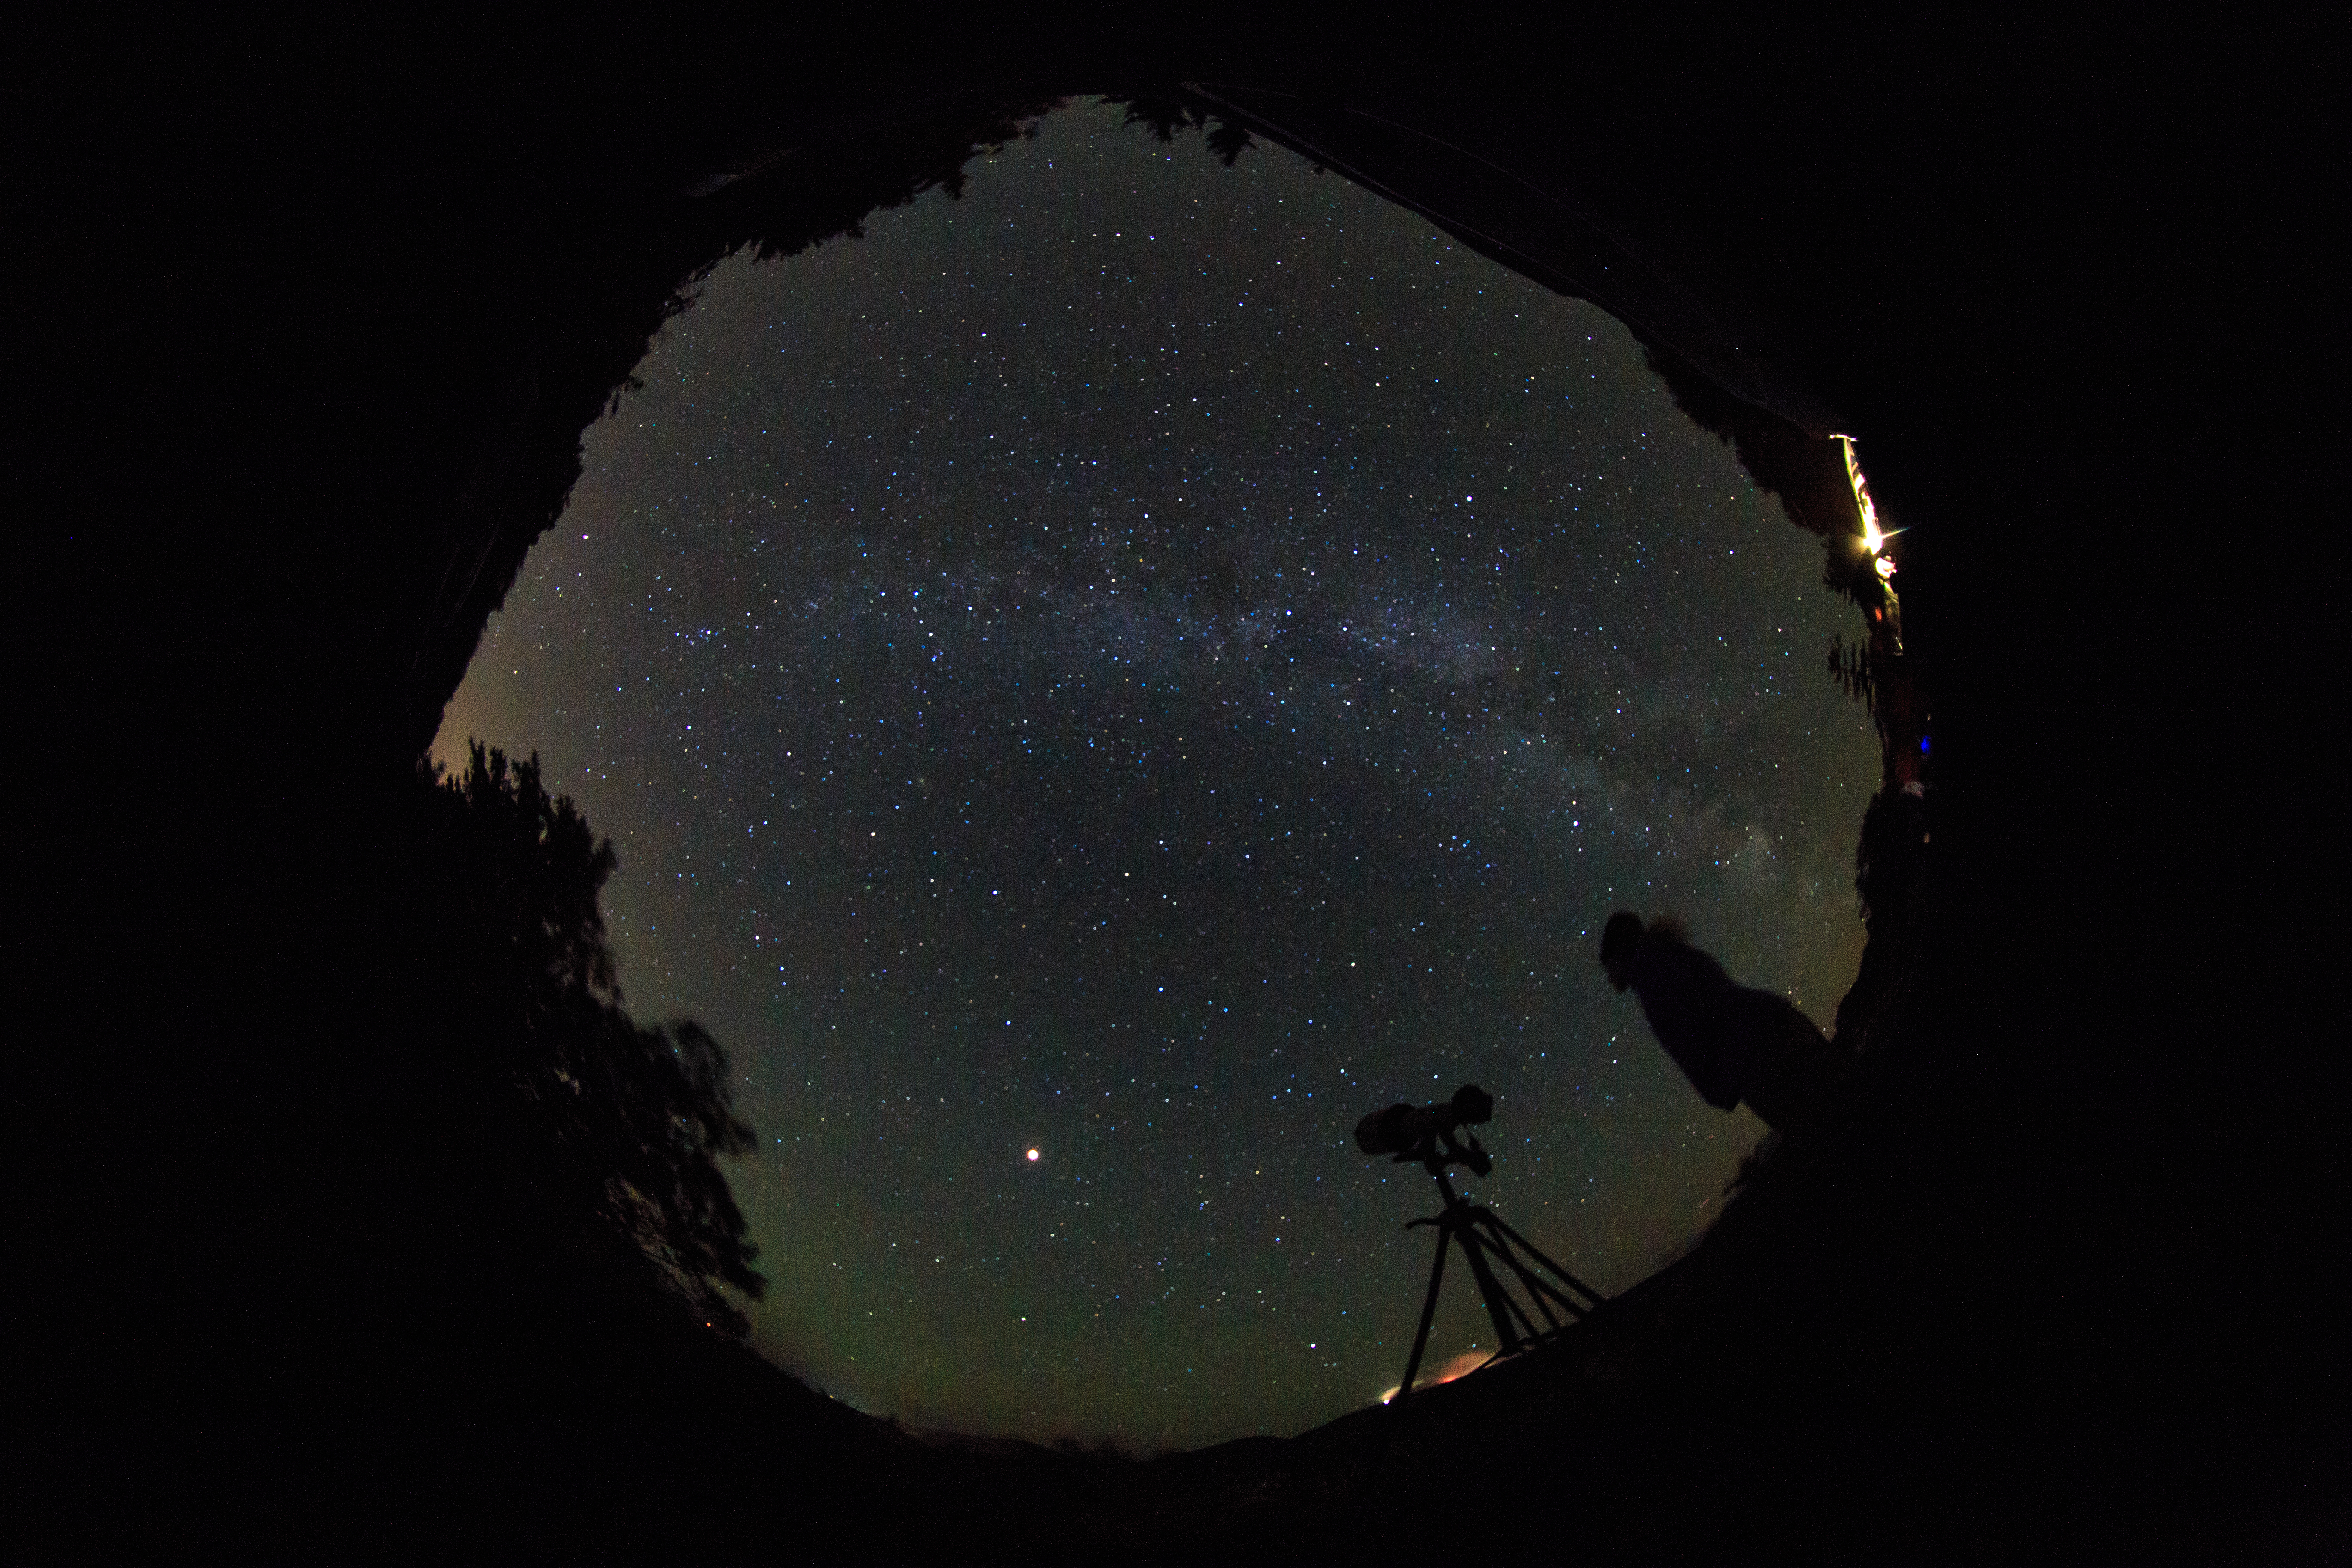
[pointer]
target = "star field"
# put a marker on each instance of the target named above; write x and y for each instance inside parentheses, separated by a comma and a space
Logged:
(1144, 664)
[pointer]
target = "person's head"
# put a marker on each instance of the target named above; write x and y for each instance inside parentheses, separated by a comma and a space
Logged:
(1618, 940)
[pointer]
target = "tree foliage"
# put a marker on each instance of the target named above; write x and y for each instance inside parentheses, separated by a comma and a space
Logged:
(628, 1120)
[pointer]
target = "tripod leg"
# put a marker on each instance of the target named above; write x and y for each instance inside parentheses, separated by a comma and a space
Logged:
(1538, 1290)
(1534, 1288)
(1535, 1252)
(1500, 1305)
(1428, 1309)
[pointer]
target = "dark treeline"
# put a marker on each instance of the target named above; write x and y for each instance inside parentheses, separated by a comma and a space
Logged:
(617, 1126)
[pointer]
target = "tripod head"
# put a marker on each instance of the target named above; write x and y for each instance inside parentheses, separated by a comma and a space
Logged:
(1425, 1133)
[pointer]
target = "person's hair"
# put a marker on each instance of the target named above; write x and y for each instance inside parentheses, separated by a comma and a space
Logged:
(1618, 937)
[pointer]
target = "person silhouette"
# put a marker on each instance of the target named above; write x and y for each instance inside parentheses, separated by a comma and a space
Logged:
(1734, 1044)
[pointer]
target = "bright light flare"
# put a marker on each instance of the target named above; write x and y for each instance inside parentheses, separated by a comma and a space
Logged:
(1874, 538)
(1032, 1156)
(1873, 541)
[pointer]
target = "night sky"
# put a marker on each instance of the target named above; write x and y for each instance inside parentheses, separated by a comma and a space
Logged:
(1147, 663)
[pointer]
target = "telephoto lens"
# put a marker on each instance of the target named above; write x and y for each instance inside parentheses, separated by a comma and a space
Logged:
(1425, 1132)
(1386, 1131)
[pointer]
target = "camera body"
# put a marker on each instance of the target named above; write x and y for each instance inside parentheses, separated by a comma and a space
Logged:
(1425, 1132)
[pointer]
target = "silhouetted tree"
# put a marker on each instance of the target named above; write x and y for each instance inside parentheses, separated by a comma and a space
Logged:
(624, 1122)
(1164, 116)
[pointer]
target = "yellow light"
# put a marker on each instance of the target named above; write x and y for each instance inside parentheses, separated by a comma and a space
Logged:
(1032, 1154)
(1874, 538)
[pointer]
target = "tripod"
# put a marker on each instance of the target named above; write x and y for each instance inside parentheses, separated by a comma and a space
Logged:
(1484, 1241)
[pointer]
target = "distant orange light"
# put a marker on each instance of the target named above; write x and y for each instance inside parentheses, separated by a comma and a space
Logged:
(1032, 1154)
(1461, 1365)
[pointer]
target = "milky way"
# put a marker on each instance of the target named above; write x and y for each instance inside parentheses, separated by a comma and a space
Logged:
(1147, 663)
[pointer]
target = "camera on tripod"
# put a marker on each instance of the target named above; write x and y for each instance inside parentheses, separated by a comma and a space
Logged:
(1425, 1132)
(1546, 1297)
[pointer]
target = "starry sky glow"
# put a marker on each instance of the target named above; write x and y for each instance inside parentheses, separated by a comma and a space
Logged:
(1098, 684)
